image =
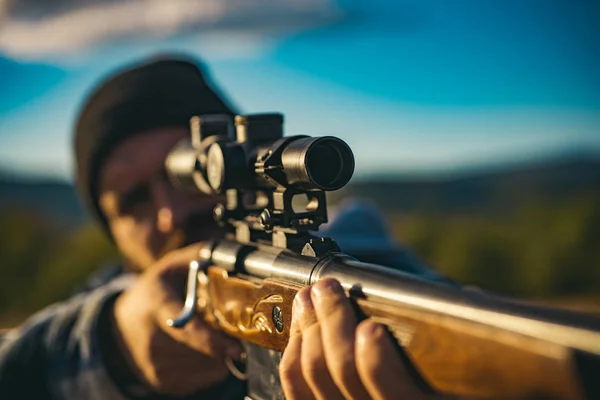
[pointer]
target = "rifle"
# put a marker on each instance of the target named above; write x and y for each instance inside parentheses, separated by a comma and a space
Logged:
(459, 342)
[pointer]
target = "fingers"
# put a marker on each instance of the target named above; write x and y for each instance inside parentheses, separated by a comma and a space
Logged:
(329, 357)
(303, 311)
(338, 324)
(303, 370)
(314, 366)
(380, 368)
(290, 371)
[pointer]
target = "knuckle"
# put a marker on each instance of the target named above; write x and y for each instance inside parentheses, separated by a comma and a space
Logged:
(330, 282)
(329, 287)
(368, 349)
(303, 295)
(367, 333)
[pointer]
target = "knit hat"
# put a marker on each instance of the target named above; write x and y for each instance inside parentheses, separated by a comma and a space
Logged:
(162, 92)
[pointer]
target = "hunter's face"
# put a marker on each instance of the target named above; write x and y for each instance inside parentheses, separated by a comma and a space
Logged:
(146, 215)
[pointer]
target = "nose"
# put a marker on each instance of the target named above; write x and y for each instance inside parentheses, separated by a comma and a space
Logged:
(169, 213)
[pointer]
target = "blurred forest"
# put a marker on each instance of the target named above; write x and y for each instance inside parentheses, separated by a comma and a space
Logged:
(528, 232)
(541, 251)
(43, 261)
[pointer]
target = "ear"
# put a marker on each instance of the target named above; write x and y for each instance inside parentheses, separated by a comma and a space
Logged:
(108, 204)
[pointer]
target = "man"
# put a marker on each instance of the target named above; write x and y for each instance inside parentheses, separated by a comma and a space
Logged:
(113, 342)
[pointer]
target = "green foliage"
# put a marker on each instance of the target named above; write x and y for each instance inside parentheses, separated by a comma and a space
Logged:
(541, 250)
(24, 239)
(70, 263)
(42, 262)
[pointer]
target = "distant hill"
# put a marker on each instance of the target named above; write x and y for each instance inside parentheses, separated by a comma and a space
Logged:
(54, 198)
(484, 191)
(499, 190)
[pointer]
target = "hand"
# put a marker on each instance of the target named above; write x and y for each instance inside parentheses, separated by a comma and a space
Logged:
(168, 360)
(330, 356)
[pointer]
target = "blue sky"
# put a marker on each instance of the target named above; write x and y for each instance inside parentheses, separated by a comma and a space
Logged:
(412, 86)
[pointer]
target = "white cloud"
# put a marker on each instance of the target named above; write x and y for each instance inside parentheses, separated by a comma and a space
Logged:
(67, 31)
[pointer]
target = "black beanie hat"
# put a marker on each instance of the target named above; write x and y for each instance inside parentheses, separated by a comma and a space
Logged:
(163, 92)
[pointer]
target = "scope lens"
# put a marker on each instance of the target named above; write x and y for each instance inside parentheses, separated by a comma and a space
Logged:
(324, 163)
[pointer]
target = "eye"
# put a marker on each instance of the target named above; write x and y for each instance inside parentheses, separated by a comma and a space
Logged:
(136, 196)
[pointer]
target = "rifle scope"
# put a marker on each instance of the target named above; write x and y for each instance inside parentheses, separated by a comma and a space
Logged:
(250, 152)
